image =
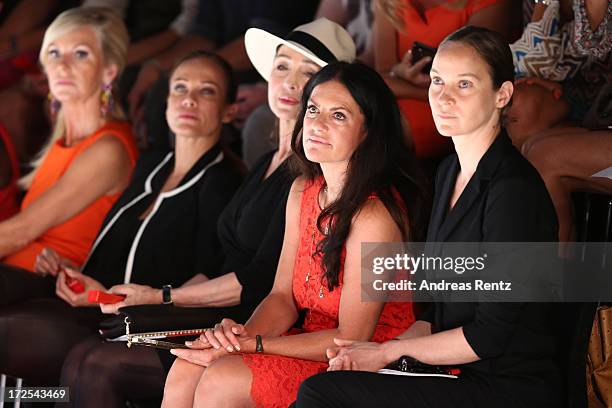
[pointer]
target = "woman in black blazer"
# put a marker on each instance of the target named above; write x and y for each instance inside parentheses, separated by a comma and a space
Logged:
(486, 192)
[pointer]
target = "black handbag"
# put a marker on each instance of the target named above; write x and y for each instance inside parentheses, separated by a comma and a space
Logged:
(157, 318)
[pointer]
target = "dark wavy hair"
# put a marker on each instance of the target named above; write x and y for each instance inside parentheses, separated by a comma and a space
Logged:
(382, 164)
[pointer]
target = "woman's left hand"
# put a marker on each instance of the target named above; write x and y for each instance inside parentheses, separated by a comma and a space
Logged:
(134, 295)
(412, 72)
(64, 292)
(356, 356)
(203, 353)
(202, 357)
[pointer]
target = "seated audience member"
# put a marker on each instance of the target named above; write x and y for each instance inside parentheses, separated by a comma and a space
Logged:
(398, 24)
(551, 119)
(89, 160)
(356, 16)
(250, 231)
(505, 351)
(162, 230)
(357, 184)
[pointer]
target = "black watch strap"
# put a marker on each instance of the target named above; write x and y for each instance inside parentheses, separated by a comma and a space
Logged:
(167, 294)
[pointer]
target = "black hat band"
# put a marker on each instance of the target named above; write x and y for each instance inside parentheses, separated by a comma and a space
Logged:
(312, 44)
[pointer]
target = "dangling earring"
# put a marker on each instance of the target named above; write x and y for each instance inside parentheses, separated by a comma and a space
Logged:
(54, 104)
(106, 106)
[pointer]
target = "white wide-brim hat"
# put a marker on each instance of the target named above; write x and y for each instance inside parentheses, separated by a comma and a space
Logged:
(322, 41)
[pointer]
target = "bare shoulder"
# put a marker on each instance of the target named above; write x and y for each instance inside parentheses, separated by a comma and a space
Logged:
(374, 223)
(297, 188)
(107, 160)
(108, 147)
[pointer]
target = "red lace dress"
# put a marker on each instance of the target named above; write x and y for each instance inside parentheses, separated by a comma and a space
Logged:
(275, 378)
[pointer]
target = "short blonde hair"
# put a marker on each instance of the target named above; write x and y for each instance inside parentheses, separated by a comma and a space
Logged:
(114, 40)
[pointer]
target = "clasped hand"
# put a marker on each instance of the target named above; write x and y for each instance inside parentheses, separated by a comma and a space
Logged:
(356, 356)
(225, 338)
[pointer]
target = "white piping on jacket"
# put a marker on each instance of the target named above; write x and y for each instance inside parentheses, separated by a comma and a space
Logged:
(148, 190)
(130, 262)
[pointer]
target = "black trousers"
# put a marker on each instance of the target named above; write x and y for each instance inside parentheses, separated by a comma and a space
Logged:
(18, 285)
(363, 389)
(36, 336)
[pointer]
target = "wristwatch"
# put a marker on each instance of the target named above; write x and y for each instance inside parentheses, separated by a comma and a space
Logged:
(167, 294)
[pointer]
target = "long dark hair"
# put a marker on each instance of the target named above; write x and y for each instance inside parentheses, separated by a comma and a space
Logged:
(381, 164)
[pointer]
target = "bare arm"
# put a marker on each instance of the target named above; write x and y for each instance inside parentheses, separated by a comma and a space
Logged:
(419, 328)
(218, 292)
(357, 320)
(199, 291)
(105, 161)
(443, 348)
(385, 57)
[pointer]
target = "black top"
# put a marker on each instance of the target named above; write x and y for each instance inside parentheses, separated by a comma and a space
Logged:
(504, 201)
(251, 230)
(178, 238)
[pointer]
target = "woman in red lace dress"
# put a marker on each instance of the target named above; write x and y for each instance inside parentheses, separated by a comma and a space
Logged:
(358, 184)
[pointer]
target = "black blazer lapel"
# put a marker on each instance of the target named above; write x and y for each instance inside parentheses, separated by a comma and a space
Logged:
(470, 194)
(485, 170)
(444, 188)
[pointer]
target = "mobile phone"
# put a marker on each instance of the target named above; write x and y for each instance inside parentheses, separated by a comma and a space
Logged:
(419, 51)
(75, 285)
(97, 296)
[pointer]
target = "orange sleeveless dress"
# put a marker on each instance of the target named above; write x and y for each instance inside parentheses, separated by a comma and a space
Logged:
(439, 22)
(73, 238)
(9, 205)
(276, 379)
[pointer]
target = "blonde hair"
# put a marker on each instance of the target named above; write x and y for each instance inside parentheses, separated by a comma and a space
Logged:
(394, 10)
(113, 38)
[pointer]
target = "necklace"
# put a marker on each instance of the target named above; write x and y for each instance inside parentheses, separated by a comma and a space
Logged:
(310, 264)
(313, 247)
